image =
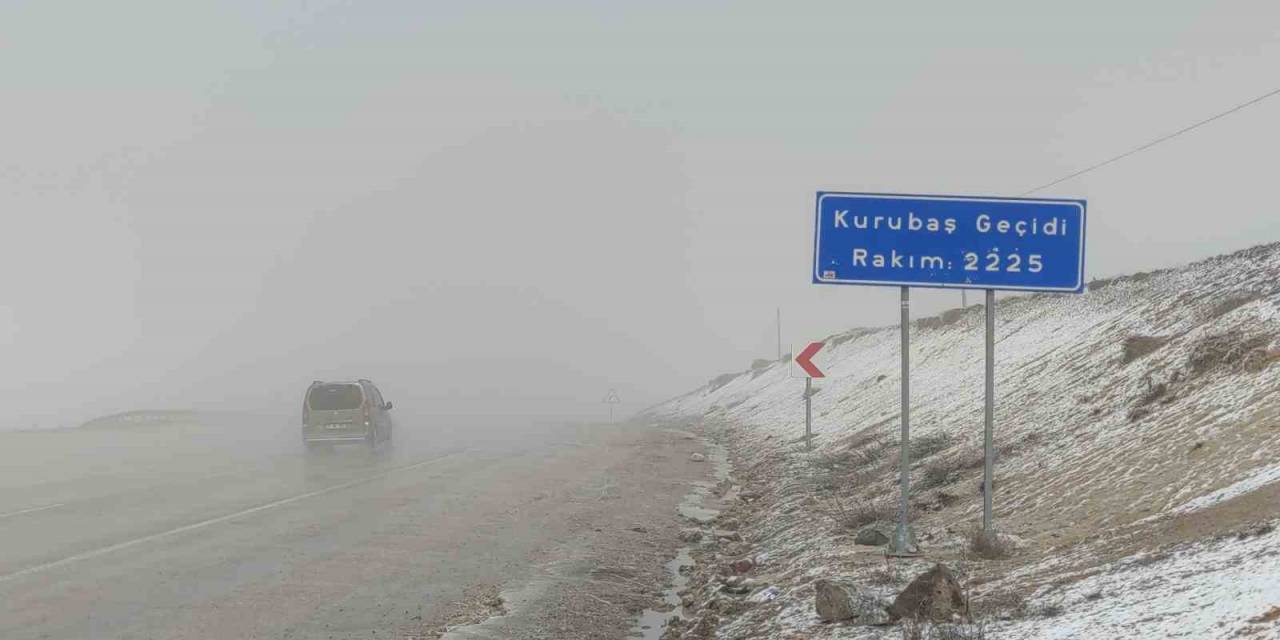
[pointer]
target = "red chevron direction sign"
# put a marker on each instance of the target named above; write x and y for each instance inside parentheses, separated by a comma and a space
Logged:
(804, 360)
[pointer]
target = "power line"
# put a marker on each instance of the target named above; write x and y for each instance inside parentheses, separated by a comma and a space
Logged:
(1157, 141)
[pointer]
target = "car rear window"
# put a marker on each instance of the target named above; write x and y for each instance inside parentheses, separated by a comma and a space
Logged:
(335, 397)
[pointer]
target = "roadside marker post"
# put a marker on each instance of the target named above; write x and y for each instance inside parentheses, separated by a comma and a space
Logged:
(950, 242)
(611, 399)
(808, 413)
(803, 366)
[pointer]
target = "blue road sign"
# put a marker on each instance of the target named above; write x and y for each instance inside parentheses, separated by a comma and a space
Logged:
(949, 241)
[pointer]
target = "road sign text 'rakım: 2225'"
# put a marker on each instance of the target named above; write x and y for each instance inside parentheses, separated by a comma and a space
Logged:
(949, 241)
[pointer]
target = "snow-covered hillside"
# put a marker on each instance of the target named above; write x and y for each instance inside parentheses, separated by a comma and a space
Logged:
(1139, 431)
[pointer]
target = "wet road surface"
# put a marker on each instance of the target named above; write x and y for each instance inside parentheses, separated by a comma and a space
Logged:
(230, 530)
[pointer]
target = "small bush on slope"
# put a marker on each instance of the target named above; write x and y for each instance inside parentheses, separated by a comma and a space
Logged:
(861, 514)
(1224, 349)
(1138, 346)
(927, 445)
(941, 472)
(989, 545)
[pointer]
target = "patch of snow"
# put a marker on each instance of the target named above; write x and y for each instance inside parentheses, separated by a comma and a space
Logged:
(1259, 479)
(1208, 591)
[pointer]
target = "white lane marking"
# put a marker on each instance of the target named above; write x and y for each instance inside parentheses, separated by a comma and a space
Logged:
(212, 521)
(31, 510)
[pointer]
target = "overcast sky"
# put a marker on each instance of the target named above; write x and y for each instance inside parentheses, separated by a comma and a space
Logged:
(511, 207)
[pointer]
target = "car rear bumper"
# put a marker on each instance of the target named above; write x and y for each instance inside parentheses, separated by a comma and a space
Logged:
(355, 437)
(344, 433)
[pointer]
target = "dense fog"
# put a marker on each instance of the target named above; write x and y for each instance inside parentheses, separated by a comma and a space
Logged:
(509, 210)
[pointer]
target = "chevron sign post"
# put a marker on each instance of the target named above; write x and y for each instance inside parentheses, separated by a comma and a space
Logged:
(808, 364)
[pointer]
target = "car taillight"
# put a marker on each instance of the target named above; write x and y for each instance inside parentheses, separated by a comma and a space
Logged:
(365, 409)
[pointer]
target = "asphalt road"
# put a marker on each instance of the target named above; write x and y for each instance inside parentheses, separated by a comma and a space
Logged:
(229, 530)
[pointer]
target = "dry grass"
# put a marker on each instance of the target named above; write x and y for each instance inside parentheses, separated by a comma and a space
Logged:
(721, 380)
(1223, 350)
(873, 436)
(1154, 393)
(1231, 304)
(944, 319)
(938, 473)
(1152, 558)
(941, 472)
(927, 445)
(841, 338)
(1259, 359)
(1135, 347)
(861, 514)
(1031, 440)
(854, 468)
(884, 576)
(1048, 611)
(988, 545)
(1001, 605)
(1270, 615)
(918, 630)
(856, 457)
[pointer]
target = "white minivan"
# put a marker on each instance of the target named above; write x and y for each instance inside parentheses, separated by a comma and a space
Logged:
(350, 412)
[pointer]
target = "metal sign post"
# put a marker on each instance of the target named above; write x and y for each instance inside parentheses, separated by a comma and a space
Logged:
(779, 334)
(988, 448)
(808, 413)
(903, 541)
(963, 242)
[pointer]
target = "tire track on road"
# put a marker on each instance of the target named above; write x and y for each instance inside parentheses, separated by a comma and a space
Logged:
(31, 510)
(101, 551)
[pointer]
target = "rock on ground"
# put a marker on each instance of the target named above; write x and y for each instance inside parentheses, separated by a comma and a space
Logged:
(934, 595)
(871, 535)
(838, 599)
(690, 536)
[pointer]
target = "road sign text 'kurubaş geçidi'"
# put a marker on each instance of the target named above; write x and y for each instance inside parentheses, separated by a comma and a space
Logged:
(944, 241)
(949, 241)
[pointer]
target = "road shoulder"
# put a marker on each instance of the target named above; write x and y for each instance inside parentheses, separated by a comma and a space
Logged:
(611, 566)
